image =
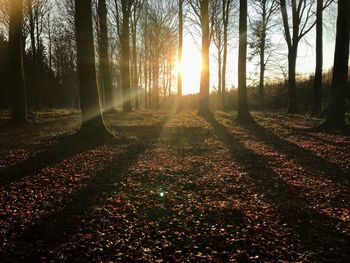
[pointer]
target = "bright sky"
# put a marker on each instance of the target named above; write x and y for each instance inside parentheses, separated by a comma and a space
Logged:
(192, 60)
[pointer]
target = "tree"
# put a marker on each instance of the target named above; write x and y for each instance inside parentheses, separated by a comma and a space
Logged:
(204, 82)
(38, 11)
(218, 36)
(221, 17)
(317, 85)
(162, 44)
(135, 16)
(92, 120)
(105, 69)
(261, 42)
(301, 25)
(125, 55)
(243, 111)
(179, 75)
(227, 6)
(16, 73)
(336, 112)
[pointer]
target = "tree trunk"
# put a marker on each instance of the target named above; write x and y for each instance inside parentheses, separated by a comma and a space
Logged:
(179, 75)
(292, 97)
(219, 69)
(92, 120)
(135, 71)
(262, 75)
(16, 77)
(145, 72)
(336, 113)
(105, 69)
(33, 97)
(262, 57)
(155, 90)
(37, 70)
(150, 91)
(125, 57)
(204, 82)
(243, 111)
(317, 89)
(226, 11)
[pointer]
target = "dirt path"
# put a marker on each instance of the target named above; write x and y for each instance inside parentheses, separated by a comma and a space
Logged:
(181, 188)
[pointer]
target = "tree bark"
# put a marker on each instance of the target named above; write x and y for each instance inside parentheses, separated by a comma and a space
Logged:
(336, 113)
(150, 70)
(92, 120)
(219, 69)
(317, 86)
(155, 77)
(105, 69)
(16, 72)
(135, 83)
(262, 55)
(34, 53)
(204, 82)
(262, 78)
(179, 75)
(292, 94)
(243, 110)
(226, 13)
(292, 42)
(125, 57)
(145, 69)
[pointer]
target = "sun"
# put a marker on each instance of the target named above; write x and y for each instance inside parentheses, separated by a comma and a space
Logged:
(190, 68)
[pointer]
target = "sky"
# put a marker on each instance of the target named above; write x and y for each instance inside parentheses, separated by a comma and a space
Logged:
(305, 62)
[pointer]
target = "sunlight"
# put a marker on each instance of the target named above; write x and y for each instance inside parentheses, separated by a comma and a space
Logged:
(190, 68)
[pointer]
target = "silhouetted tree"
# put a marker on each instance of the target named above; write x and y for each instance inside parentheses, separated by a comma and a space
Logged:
(301, 25)
(137, 6)
(125, 55)
(16, 73)
(261, 43)
(227, 6)
(92, 120)
(105, 69)
(243, 110)
(204, 82)
(317, 85)
(181, 25)
(336, 113)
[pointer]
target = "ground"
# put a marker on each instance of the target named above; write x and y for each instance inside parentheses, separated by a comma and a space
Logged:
(174, 187)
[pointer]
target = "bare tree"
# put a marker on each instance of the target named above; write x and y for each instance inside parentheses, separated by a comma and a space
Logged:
(336, 112)
(92, 120)
(221, 18)
(317, 86)
(260, 43)
(201, 10)
(181, 29)
(105, 69)
(16, 78)
(227, 6)
(302, 13)
(243, 110)
(38, 11)
(125, 55)
(161, 34)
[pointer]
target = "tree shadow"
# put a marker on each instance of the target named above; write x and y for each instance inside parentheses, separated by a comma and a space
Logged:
(51, 230)
(316, 232)
(70, 145)
(66, 147)
(319, 166)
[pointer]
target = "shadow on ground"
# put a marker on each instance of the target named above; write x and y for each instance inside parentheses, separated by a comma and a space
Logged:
(316, 232)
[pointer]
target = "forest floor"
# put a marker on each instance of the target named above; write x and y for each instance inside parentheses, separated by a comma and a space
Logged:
(174, 187)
